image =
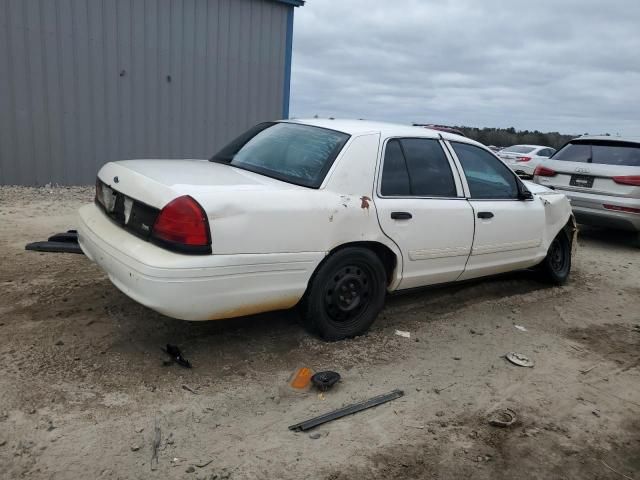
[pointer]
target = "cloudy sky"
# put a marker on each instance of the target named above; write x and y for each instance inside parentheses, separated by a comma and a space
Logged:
(553, 65)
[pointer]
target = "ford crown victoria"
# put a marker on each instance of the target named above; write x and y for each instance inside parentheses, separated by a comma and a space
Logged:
(326, 215)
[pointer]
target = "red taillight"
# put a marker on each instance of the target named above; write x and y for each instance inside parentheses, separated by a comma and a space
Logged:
(541, 171)
(618, 208)
(523, 159)
(628, 180)
(183, 224)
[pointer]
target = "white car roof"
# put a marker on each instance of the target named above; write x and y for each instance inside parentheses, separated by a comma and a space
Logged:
(359, 127)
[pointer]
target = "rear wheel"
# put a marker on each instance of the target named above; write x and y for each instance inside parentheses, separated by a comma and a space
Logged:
(345, 294)
(557, 264)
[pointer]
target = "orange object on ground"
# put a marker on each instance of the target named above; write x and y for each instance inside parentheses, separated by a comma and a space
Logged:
(301, 378)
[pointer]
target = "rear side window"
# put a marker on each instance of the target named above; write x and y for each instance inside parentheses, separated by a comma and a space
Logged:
(417, 167)
(601, 152)
(546, 152)
(488, 177)
(395, 176)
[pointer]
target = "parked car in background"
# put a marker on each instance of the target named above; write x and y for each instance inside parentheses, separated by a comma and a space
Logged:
(329, 215)
(601, 177)
(524, 159)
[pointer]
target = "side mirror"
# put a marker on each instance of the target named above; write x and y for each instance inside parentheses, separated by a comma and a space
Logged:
(525, 194)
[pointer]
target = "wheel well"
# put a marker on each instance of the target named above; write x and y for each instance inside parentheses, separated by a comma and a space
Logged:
(570, 229)
(384, 253)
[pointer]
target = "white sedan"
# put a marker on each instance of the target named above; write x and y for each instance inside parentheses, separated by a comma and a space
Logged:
(328, 215)
(524, 159)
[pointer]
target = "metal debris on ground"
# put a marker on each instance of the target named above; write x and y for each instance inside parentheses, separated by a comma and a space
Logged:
(176, 355)
(521, 328)
(344, 411)
(584, 372)
(157, 439)
(438, 390)
(323, 381)
(301, 379)
(504, 418)
(615, 471)
(189, 389)
(402, 333)
(66, 242)
(519, 359)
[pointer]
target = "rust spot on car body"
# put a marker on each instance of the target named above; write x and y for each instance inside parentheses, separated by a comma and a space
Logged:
(365, 202)
(255, 308)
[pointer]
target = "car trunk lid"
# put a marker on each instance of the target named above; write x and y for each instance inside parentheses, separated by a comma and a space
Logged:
(157, 182)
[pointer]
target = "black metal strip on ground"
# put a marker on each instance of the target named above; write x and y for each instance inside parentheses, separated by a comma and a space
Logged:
(344, 411)
(70, 236)
(59, 247)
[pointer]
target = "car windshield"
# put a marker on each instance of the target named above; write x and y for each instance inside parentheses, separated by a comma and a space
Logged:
(518, 149)
(295, 153)
(601, 152)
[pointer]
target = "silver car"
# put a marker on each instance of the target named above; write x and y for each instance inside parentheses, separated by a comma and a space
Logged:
(601, 177)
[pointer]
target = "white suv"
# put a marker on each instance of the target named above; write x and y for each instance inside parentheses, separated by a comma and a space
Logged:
(601, 177)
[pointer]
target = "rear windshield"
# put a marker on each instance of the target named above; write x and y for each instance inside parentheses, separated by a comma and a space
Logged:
(602, 152)
(299, 154)
(518, 149)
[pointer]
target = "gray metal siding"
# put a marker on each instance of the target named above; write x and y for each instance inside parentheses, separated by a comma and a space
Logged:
(84, 82)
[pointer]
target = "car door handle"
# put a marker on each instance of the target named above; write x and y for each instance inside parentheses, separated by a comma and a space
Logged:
(485, 214)
(401, 215)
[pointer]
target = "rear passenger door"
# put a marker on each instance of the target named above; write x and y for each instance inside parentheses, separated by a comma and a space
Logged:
(508, 227)
(421, 207)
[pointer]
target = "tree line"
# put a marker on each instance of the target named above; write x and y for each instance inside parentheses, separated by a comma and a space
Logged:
(505, 137)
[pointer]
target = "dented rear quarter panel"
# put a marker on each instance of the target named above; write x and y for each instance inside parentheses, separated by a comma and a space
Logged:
(301, 219)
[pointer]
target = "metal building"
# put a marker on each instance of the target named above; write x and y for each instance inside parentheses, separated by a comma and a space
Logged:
(83, 82)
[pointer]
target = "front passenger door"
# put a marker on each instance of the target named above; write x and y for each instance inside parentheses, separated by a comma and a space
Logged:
(508, 228)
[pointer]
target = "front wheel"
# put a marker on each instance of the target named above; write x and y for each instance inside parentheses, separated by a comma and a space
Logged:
(557, 264)
(345, 294)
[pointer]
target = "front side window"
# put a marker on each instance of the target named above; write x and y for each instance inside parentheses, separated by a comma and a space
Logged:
(295, 153)
(416, 167)
(488, 177)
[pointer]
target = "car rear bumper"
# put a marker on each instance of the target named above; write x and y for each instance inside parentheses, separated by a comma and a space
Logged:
(589, 209)
(194, 287)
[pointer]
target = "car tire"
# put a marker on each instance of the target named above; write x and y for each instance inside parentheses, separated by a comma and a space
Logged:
(556, 266)
(345, 294)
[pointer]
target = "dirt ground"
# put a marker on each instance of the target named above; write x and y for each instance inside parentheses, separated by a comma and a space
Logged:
(83, 387)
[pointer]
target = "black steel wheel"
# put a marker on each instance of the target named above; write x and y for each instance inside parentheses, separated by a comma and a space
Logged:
(345, 294)
(557, 264)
